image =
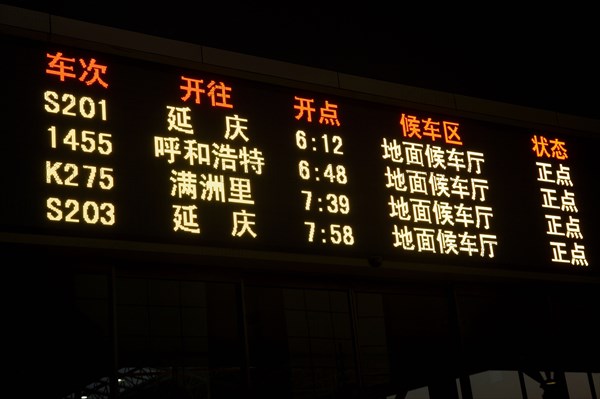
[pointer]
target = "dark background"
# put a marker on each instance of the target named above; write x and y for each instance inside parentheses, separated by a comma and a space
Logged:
(542, 58)
(545, 60)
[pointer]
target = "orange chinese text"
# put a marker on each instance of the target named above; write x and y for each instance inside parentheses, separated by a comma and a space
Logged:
(545, 148)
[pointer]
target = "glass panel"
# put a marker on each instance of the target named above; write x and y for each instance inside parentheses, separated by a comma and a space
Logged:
(496, 384)
(578, 385)
(420, 393)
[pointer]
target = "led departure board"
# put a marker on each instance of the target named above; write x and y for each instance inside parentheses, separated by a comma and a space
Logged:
(98, 145)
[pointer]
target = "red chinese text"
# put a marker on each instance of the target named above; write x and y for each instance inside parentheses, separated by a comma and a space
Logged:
(217, 92)
(327, 114)
(413, 127)
(87, 71)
